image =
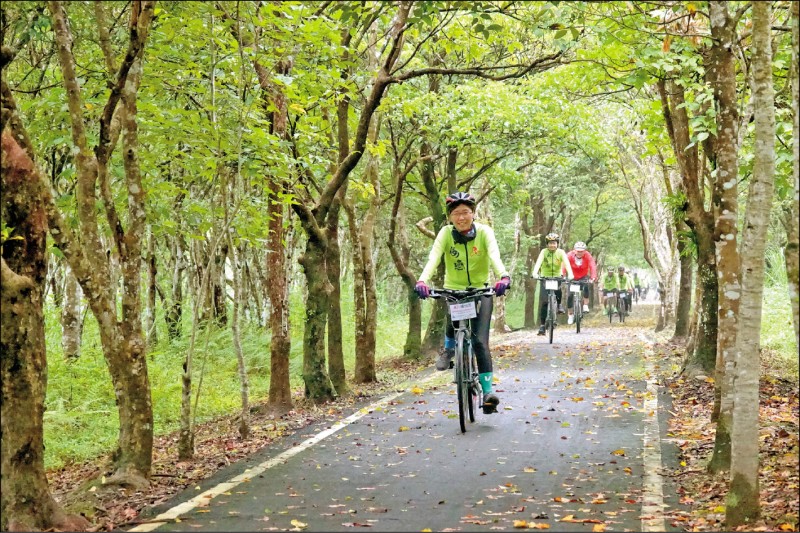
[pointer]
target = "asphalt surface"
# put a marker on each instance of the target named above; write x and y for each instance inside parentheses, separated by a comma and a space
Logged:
(577, 445)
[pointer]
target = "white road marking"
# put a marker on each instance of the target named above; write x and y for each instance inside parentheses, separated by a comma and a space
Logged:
(652, 490)
(203, 498)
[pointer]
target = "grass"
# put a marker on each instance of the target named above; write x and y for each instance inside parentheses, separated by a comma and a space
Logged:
(778, 341)
(81, 419)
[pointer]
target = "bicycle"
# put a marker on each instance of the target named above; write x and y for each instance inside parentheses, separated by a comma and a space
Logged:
(576, 288)
(552, 286)
(462, 306)
(611, 302)
(623, 304)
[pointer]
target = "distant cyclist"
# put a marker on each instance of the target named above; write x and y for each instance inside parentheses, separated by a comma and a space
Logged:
(550, 262)
(584, 269)
(610, 284)
(625, 284)
(469, 249)
(637, 286)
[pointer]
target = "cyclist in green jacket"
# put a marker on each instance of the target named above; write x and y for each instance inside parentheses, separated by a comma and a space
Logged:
(610, 287)
(549, 264)
(625, 284)
(469, 249)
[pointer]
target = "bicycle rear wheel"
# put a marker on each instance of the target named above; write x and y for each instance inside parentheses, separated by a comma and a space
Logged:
(552, 314)
(623, 307)
(576, 311)
(462, 384)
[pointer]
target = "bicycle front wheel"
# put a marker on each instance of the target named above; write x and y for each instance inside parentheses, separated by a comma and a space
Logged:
(474, 387)
(552, 312)
(577, 313)
(462, 380)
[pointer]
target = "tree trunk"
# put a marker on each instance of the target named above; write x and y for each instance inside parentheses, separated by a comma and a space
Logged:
(318, 386)
(150, 313)
(684, 303)
(743, 503)
(791, 252)
(723, 75)
(280, 393)
(400, 252)
(336, 369)
(702, 356)
(434, 334)
(244, 416)
(71, 316)
(173, 314)
(25, 500)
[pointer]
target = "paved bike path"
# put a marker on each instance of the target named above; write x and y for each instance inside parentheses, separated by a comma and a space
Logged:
(570, 450)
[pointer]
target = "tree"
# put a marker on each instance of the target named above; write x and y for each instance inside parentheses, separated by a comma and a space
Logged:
(743, 502)
(121, 336)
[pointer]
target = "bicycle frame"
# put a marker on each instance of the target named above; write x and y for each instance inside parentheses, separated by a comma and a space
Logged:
(551, 285)
(463, 308)
(576, 289)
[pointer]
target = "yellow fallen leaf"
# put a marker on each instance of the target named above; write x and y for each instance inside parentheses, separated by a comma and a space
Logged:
(520, 524)
(404, 428)
(599, 527)
(539, 526)
(529, 469)
(619, 452)
(719, 509)
(298, 523)
(417, 390)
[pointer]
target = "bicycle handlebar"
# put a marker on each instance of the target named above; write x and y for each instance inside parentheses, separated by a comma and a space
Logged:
(456, 295)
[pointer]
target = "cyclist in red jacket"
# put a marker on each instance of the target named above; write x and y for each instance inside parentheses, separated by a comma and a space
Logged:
(584, 268)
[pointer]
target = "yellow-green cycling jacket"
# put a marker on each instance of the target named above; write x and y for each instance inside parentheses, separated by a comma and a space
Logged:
(548, 264)
(466, 265)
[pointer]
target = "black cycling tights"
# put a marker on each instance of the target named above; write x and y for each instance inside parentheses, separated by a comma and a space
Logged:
(480, 333)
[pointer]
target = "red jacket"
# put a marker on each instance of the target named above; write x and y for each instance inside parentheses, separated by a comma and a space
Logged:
(587, 265)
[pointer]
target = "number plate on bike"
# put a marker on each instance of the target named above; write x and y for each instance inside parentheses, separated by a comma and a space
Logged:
(463, 311)
(551, 285)
(575, 288)
(623, 295)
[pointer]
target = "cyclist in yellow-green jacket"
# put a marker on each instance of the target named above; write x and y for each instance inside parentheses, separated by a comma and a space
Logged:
(611, 285)
(549, 264)
(469, 249)
(625, 284)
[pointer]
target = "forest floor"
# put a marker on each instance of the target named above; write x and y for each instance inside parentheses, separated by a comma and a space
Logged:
(218, 444)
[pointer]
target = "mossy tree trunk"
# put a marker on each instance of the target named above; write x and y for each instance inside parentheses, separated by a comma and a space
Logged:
(25, 500)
